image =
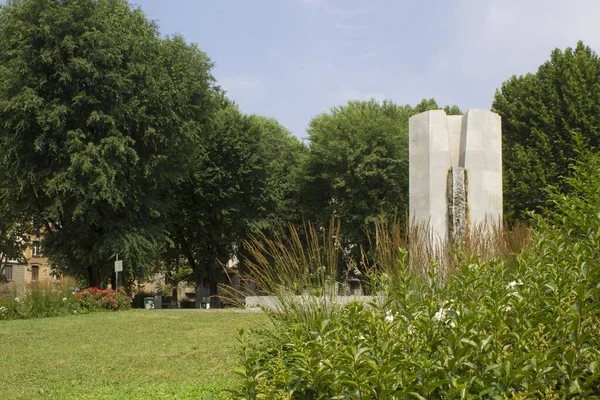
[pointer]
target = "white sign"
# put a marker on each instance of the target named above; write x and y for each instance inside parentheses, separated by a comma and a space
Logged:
(119, 266)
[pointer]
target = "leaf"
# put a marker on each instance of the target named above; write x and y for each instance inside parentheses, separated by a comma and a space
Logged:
(239, 371)
(574, 387)
(469, 342)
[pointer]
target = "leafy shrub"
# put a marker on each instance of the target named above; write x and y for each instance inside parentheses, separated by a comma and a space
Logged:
(93, 299)
(520, 326)
(490, 330)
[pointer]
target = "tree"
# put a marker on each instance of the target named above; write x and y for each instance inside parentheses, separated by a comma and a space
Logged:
(14, 237)
(283, 154)
(547, 117)
(243, 183)
(357, 169)
(99, 119)
(574, 212)
(219, 200)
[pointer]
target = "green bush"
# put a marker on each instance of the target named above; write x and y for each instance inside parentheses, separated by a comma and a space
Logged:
(524, 326)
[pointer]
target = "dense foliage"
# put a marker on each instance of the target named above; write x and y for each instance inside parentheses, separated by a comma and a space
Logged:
(220, 198)
(518, 326)
(135, 150)
(98, 118)
(546, 118)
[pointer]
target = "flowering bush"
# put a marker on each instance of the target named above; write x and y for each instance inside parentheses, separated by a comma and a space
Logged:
(93, 299)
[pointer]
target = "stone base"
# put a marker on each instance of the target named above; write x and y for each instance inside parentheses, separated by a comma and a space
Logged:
(273, 303)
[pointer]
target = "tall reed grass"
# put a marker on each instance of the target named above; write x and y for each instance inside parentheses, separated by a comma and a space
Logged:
(47, 298)
(310, 265)
(429, 255)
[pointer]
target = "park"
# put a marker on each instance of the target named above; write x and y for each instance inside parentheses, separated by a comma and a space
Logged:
(163, 236)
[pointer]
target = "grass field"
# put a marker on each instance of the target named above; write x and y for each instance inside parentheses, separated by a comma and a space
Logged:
(137, 354)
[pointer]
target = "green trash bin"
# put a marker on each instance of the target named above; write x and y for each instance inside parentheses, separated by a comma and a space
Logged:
(149, 303)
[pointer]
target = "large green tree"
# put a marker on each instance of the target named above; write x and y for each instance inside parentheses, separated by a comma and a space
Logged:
(242, 184)
(219, 199)
(357, 169)
(283, 155)
(547, 118)
(99, 118)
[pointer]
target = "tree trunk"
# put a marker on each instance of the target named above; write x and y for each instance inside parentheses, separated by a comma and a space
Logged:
(174, 297)
(2, 258)
(213, 285)
(93, 277)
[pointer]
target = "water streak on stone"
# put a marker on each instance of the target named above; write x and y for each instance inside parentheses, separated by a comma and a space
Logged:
(456, 191)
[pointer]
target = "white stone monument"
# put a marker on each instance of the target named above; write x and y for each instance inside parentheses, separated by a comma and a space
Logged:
(455, 171)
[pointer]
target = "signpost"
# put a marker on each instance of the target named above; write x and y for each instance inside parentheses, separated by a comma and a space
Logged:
(118, 268)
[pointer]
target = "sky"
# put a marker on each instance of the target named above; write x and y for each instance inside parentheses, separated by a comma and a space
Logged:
(295, 59)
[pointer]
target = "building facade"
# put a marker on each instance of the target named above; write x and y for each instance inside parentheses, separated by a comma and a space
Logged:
(33, 267)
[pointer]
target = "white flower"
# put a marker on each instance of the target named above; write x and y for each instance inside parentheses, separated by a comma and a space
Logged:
(361, 337)
(74, 311)
(320, 364)
(513, 284)
(440, 315)
(64, 299)
(388, 316)
(508, 309)
(18, 300)
(72, 292)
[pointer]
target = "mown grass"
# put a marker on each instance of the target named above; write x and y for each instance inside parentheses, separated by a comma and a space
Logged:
(137, 354)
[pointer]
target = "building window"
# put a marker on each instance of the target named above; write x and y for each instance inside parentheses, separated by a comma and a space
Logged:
(36, 248)
(35, 272)
(8, 272)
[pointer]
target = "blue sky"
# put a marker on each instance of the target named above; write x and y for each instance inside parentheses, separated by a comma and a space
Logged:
(294, 59)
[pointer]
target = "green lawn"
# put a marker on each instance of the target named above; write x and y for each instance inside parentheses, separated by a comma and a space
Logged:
(137, 354)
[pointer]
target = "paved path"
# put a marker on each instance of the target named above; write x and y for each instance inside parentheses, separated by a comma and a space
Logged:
(226, 310)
